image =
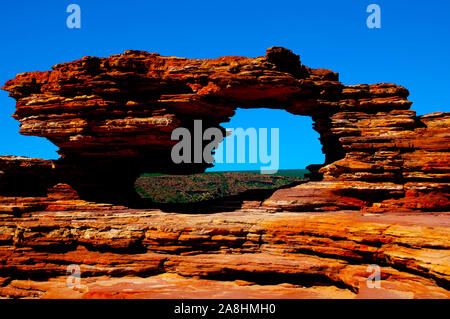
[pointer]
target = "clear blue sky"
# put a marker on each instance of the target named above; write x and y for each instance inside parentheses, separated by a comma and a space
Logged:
(411, 49)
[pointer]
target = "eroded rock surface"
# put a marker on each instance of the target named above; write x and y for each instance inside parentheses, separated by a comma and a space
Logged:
(247, 253)
(381, 198)
(112, 119)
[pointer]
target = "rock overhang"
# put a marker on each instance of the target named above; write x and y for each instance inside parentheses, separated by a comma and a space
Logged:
(117, 114)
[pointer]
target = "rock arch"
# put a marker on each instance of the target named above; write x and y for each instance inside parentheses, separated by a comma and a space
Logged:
(116, 114)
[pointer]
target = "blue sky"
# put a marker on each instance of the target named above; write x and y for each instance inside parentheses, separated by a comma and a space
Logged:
(411, 49)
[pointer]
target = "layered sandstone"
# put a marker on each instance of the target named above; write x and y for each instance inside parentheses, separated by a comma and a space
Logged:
(247, 253)
(112, 119)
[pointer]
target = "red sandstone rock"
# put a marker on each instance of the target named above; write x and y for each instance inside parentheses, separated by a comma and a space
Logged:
(283, 255)
(116, 114)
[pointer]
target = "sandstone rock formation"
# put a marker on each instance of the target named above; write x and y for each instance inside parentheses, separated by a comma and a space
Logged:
(245, 253)
(112, 119)
(116, 115)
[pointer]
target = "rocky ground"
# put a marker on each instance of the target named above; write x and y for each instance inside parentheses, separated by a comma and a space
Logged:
(248, 253)
(381, 199)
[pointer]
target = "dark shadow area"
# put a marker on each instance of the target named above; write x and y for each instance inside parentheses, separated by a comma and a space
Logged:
(224, 204)
(276, 278)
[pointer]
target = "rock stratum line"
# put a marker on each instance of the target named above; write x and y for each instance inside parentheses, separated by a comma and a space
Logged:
(381, 197)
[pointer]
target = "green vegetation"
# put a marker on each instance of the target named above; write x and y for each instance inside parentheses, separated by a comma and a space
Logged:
(162, 188)
(300, 173)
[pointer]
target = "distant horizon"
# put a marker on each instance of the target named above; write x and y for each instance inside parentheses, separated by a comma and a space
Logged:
(257, 170)
(240, 171)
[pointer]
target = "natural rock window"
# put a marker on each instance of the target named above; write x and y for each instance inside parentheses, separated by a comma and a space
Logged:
(116, 114)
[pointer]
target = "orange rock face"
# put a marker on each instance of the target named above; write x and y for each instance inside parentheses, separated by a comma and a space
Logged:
(319, 239)
(247, 253)
(117, 114)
